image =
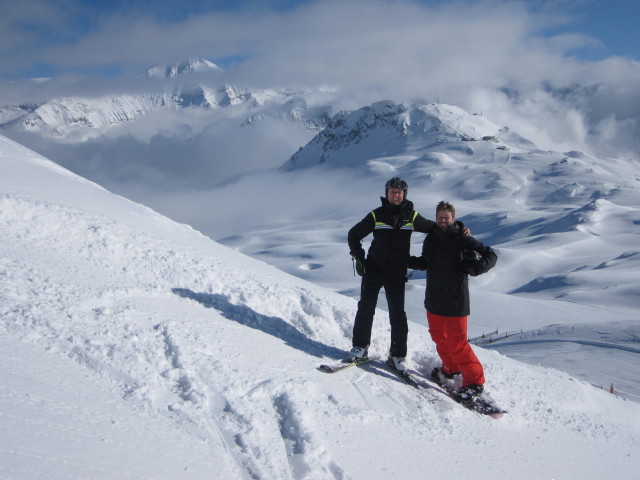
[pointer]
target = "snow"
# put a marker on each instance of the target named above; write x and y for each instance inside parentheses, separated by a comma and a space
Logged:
(136, 347)
(191, 65)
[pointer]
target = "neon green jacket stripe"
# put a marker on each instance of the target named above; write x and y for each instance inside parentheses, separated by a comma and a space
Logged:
(383, 226)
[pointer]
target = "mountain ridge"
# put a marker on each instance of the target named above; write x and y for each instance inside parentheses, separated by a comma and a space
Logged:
(162, 90)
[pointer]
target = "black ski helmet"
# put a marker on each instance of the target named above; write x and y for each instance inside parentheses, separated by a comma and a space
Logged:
(396, 182)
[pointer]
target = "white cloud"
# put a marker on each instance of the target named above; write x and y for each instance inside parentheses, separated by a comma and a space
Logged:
(491, 56)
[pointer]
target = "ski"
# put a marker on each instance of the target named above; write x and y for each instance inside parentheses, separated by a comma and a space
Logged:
(483, 406)
(404, 375)
(375, 361)
(412, 381)
(337, 367)
(479, 404)
(427, 386)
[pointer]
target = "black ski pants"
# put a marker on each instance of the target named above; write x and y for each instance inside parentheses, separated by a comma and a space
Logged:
(394, 291)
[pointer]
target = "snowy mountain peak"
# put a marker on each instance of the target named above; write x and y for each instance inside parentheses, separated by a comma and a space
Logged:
(390, 130)
(192, 65)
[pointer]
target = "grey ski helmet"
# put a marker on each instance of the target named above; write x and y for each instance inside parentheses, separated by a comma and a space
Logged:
(396, 182)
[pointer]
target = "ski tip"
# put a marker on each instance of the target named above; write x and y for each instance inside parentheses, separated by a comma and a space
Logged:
(483, 406)
(497, 415)
(326, 368)
(491, 411)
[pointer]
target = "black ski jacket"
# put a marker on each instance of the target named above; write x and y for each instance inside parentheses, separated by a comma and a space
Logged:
(392, 227)
(447, 291)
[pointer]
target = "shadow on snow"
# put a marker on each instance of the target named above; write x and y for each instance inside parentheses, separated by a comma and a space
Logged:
(274, 326)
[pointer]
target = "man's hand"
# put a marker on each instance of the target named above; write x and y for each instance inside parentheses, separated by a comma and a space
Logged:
(360, 266)
(470, 262)
(469, 256)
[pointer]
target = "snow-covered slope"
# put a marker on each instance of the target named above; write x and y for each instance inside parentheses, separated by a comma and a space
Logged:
(136, 347)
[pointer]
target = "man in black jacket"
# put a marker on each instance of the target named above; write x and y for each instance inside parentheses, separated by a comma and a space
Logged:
(449, 257)
(385, 266)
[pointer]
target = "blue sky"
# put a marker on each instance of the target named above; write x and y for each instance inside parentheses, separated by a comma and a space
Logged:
(613, 23)
(48, 38)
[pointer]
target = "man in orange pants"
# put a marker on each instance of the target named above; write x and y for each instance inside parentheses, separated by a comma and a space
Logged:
(449, 258)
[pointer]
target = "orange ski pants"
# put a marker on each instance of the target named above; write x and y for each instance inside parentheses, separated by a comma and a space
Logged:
(450, 336)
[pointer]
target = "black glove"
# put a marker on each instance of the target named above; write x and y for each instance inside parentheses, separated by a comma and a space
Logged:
(359, 263)
(470, 262)
(469, 256)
